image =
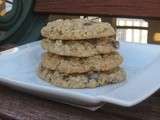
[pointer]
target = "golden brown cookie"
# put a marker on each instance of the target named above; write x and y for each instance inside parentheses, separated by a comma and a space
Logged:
(77, 29)
(87, 80)
(71, 65)
(79, 48)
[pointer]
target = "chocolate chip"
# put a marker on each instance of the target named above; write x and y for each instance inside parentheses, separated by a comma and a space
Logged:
(60, 33)
(88, 23)
(115, 44)
(93, 76)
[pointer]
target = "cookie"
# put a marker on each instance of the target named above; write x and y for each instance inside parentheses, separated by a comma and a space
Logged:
(70, 65)
(76, 29)
(87, 80)
(79, 48)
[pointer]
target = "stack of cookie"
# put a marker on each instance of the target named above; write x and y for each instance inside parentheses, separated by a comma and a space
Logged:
(80, 53)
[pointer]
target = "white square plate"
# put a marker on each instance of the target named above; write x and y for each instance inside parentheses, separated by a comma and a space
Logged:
(18, 68)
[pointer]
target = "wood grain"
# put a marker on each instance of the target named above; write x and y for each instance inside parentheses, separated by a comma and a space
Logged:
(125, 8)
(22, 106)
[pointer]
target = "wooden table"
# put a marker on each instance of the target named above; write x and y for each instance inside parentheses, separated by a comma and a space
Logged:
(21, 106)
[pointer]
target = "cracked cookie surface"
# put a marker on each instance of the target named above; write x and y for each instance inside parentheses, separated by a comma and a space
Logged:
(87, 80)
(71, 65)
(76, 29)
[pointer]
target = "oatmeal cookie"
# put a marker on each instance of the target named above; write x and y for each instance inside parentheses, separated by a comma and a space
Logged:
(79, 48)
(87, 80)
(76, 29)
(71, 65)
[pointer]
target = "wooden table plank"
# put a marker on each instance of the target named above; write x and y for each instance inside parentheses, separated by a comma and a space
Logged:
(125, 8)
(23, 107)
